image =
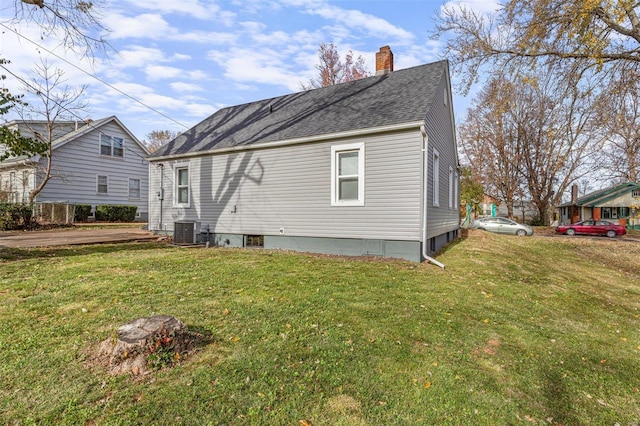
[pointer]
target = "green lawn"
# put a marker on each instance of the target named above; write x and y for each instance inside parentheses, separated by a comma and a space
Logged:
(514, 331)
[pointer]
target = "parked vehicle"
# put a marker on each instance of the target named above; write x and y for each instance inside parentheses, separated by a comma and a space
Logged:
(502, 225)
(592, 227)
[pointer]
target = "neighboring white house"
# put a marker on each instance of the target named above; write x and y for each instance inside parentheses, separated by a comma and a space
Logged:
(367, 167)
(93, 162)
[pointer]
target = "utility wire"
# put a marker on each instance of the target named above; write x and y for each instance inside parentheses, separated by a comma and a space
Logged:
(93, 76)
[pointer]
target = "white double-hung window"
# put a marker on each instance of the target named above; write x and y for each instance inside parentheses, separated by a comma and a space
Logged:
(102, 184)
(347, 175)
(181, 188)
(134, 188)
(111, 146)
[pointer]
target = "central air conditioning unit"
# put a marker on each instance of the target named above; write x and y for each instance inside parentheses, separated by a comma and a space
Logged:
(184, 232)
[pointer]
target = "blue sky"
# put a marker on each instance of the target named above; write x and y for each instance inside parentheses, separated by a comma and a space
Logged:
(188, 58)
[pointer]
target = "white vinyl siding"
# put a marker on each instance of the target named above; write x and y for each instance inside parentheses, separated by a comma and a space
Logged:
(347, 175)
(439, 128)
(287, 191)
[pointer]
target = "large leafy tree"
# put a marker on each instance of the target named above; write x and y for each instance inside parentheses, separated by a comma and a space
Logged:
(489, 140)
(618, 109)
(533, 135)
(333, 70)
(597, 34)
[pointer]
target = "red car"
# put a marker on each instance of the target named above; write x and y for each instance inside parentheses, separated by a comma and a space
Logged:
(592, 227)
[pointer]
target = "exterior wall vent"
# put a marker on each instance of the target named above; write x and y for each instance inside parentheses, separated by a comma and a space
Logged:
(184, 232)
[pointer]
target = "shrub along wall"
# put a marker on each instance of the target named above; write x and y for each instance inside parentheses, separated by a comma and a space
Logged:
(82, 212)
(14, 216)
(115, 213)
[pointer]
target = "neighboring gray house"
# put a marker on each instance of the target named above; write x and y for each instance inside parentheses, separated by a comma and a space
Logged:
(93, 162)
(367, 167)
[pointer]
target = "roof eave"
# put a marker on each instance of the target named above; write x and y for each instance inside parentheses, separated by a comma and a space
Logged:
(295, 141)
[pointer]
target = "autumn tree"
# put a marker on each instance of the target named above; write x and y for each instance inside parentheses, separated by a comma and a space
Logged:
(332, 70)
(618, 108)
(57, 102)
(531, 135)
(593, 34)
(490, 142)
(157, 138)
(471, 190)
(76, 24)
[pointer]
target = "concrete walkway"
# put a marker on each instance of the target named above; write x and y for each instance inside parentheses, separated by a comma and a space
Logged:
(74, 237)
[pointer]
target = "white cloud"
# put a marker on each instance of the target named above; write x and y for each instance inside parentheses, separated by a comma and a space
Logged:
(256, 66)
(193, 8)
(138, 57)
(182, 87)
(147, 25)
(205, 37)
(160, 72)
(479, 6)
(357, 19)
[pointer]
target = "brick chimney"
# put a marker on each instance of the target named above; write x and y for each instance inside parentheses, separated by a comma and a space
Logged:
(384, 61)
(574, 194)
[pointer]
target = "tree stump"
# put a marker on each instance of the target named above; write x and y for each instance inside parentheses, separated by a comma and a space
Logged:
(147, 343)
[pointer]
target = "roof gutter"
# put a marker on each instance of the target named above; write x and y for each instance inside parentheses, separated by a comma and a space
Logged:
(425, 168)
(295, 141)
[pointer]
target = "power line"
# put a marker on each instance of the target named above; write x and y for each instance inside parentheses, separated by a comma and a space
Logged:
(94, 76)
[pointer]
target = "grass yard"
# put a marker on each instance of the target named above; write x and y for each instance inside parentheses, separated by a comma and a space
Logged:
(537, 330)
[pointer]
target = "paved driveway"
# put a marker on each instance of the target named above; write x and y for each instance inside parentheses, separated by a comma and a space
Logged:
(73, 237)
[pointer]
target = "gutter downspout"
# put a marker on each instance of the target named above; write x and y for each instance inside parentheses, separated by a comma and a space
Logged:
(425, 168)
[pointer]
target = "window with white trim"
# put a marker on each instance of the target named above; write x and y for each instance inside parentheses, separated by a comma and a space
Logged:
(436, 177)
(635, 193)
(181, 190)
(102, 184)
(347, 175)
(111, 146)
(456, 191)
(450, 187)
(134, 188)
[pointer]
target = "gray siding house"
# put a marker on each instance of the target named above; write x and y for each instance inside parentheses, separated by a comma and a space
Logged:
(94, 162)
(367, 167)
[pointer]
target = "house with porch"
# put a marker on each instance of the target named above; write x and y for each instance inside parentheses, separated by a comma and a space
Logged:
(617, 204)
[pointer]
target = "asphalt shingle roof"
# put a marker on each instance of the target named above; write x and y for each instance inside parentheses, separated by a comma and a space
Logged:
(402, 96)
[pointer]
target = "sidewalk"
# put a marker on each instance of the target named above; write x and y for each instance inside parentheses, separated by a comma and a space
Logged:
(74, 237)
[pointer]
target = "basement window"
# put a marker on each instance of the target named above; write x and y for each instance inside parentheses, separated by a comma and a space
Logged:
(254, 241)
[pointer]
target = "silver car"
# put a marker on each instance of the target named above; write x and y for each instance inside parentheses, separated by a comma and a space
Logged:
(502, 225)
